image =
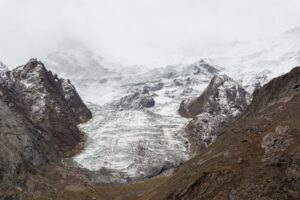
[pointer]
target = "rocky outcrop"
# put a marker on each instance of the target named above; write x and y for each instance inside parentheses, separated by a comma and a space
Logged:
(203, 67)
(221, 101)
(198, 68)
(39, 114)
(136, 100)
(203, 129)
(256, 158)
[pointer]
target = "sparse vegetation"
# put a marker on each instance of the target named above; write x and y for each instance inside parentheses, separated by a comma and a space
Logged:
(108, 192)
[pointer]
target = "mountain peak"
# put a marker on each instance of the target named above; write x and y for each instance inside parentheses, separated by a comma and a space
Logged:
(222, 101)
(223, 95)
(39, 116)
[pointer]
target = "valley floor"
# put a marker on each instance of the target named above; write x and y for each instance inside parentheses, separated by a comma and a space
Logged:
(109, 191)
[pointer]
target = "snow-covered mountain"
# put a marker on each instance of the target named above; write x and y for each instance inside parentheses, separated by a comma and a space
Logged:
(135, 141)
(89, 71)
(258, 61)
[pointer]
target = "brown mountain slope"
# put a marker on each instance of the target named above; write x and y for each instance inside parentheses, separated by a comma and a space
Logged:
(257, 158)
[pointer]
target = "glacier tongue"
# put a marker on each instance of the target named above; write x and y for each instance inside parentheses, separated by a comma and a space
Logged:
(138, 143)
(141, 142)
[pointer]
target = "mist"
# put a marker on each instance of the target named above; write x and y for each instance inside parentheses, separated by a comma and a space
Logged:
(137, 31)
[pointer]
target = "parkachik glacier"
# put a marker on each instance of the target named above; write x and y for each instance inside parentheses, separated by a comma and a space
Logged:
(136, 131)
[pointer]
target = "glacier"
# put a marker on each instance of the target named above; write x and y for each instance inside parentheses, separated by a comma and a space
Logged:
(139, 143)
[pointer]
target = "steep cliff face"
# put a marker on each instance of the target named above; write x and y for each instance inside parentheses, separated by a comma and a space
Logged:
(222, 100)
(39, 115)
(256, 158)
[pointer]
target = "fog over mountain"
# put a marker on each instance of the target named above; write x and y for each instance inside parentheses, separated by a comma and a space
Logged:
(150, 32)
(149, 99)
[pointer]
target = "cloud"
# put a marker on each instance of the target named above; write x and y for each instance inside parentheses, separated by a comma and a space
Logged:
(137, 31)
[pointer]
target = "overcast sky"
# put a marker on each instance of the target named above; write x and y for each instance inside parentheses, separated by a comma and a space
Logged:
(137, 30)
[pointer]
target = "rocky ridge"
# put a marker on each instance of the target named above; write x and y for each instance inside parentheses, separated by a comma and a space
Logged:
(222, 101)
(39, 118)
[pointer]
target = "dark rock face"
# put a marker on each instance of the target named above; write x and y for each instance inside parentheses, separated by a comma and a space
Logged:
(39, 114)
(256, 158)
(50, 103)
(221, 101)
(137, 100)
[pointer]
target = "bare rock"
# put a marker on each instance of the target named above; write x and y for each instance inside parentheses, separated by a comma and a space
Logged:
(136, 100)
(223, 95)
